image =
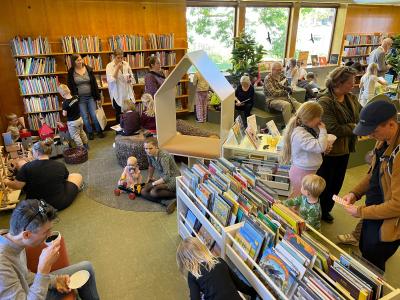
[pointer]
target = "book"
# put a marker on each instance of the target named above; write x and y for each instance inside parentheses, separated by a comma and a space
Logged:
(298, 243)
(322, 61)
(302, 58)
(222, 211)
(334, 59)
(205, 237)
(252, 136)
(314, 60)
(191, 221)
(272, 129)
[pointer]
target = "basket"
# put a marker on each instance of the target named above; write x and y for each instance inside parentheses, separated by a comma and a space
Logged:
(76, 155)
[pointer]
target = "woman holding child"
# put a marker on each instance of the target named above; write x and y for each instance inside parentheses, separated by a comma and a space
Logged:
(82, 83)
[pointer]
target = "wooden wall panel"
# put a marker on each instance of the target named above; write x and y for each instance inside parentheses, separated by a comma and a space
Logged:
(370, 18)
(55, 18)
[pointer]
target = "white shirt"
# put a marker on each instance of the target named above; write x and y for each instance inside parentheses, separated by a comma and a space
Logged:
(368, 88)
(119, 88)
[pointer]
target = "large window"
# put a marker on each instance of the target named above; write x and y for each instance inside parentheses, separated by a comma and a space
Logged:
(269, 27)
(314, 33)
(212, 29)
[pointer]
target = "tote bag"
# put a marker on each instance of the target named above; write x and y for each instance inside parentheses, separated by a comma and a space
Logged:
(101, 117)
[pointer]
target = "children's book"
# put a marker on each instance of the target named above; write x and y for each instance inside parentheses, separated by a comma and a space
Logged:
(297, 242)
(334, 59)
(314, 60)
(252, 136)
(322, 60)
(303, 57)
(205, 237)
(222, 211)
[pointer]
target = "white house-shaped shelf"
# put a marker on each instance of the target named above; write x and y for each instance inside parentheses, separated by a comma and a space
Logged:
(186, 145)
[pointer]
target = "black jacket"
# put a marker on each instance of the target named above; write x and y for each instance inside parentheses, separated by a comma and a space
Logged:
(93, 83)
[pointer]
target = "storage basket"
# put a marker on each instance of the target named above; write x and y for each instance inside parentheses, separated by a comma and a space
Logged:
(76, 155)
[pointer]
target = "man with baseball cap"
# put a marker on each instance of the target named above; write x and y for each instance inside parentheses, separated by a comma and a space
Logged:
(380, 233)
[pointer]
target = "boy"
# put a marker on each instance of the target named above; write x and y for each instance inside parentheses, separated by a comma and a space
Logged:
(14, 126)
(309, 85)
(308, 203)
(71, 110)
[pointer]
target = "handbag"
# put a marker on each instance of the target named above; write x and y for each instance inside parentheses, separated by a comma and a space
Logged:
(101, 117)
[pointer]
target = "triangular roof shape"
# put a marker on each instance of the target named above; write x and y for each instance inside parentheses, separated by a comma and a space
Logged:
(166, 111)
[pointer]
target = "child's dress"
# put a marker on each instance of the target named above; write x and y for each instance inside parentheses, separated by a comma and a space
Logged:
(202, 88)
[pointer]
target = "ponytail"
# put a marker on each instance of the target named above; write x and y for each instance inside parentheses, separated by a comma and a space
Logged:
(287, 140)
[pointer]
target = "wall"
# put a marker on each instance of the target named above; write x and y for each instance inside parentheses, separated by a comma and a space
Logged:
(55, 18)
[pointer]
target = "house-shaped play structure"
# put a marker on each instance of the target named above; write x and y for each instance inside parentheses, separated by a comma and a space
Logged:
(185, 145)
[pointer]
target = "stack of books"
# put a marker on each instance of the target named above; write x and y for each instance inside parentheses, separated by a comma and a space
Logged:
(160, 41)
(50, 119)
(38, 104)
(71, 44)
(35, 66)
(38, 85)
(29, 46)
(127, 42)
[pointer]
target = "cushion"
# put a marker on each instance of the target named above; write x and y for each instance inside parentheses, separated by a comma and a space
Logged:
(193, 146)
(126, 146)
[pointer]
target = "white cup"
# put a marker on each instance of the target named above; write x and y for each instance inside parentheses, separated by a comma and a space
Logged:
(331, 139)
(55, 236)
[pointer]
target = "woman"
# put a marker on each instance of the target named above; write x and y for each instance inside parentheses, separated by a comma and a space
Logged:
(209, 277)
(155, 77)
(119, 79)
(82, 83)
(368, 84)
(164, 187)
(341, 113)
(47, 179)
(244, 97)
(148, 119)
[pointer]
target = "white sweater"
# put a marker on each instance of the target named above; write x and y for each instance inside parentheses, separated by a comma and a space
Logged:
(306, 149)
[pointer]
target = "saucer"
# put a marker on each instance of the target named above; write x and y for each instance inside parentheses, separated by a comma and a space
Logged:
(78, 279)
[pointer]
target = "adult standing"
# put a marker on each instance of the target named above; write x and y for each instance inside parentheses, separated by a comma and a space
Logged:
(47, 179)
(380, 233)
(277, 91)
(378, 56)
(341, 113)
(119, 79)
(162, 190)
(82, 83)
(155, 77)
(244, 94)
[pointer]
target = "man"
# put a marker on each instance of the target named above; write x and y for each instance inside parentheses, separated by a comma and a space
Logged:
(30, 224)
(379, 54)
(120, 79)
(380, 233)
(276, 93)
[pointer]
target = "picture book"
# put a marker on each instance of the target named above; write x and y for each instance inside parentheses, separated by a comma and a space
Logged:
(294, 264)
(322, 61)
(221, 210)
(216, 250)
(252, 136)
(191, 221)
(237, 133)
(296, 222)
(314, 60)
(252, 123)
(205, 237)
(334, 59)
(272, 129)
(297, 242)
(302, 58)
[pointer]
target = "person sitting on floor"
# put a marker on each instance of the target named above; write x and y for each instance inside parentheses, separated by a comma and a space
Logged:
(130, 118)
(209, 277)
(30, 225)
(131, 179)
(148, 117)
(276, 92)
(162, 190)
(47, 179)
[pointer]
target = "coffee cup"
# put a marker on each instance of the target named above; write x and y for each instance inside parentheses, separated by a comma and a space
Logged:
(55, 236)
(331, 139)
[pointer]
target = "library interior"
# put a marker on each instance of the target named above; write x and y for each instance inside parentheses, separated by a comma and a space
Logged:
(200, 149)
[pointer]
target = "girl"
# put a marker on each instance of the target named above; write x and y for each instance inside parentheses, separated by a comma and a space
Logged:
(304, 144)
(367, 84)
(148, 119)
(130, 119)
(202, 88)
(207, 274)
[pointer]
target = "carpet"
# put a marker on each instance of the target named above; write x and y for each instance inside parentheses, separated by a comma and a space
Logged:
(101, 173)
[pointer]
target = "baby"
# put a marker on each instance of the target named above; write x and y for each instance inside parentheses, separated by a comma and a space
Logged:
(308, 203)
(130, 180)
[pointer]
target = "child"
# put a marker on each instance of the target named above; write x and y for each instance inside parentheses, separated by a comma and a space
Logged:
(207, 274)
(202, 88)
(130, 118)
(367, 84)
(305, 139)
(308, 203)
(148, 119)
(131, 179)
(14, 126)
(70, 109)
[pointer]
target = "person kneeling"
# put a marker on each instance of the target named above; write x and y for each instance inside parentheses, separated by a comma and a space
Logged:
(30, 225)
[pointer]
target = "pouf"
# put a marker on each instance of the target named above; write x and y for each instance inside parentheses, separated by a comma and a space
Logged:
(186, 128)
(76, 155)
(126, 146)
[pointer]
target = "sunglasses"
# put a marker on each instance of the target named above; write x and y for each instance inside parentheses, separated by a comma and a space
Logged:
(42, 211)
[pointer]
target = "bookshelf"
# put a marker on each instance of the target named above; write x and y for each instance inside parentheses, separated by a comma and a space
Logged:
(197, 218)
(39, 70)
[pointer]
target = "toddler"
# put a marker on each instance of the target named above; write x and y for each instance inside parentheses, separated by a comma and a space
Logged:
(305, 139)
(368, 83)
(130, 119)
(202, 88)
(70, 109)
(308, 203)
(14, 126)
(131, 179)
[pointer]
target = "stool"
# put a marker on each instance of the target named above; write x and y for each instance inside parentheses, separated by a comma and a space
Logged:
(126, 146)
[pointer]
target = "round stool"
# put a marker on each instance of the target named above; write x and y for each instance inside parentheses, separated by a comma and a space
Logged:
(126, 146)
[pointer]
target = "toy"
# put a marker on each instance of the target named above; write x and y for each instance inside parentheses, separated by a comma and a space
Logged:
(130, 180)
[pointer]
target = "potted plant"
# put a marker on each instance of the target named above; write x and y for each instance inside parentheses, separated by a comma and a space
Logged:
(393, 58)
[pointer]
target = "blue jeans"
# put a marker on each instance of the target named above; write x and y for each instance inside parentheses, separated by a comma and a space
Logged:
(87, 105)
(87, 292)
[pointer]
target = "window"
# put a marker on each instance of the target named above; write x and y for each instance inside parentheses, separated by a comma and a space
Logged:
(314, 33)
(212, 29)
(269, 27)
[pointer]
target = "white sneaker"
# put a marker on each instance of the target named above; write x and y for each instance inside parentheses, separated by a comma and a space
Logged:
(347, 239)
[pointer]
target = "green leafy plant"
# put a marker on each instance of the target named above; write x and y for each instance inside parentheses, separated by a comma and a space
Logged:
(393, 58)
(246, 55)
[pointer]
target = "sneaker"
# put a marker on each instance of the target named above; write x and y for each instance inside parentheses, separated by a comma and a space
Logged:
(100, 134)
(91, 136)
(171, 207)
(347, 239)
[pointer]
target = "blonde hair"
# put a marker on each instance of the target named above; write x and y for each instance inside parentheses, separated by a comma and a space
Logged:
(62, 89)
(43, 147)
(148, 102)
(127, 105)
(339, 76)
(192, 254)
(313, 184)
(11, 117)
(372, 69)
(245, 79)
(306, 112)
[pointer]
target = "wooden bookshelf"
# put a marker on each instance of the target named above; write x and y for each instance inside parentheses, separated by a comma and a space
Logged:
(38, 94)
(41, 111)
(43, 74)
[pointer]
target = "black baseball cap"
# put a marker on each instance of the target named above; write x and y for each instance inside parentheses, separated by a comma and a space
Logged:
(374, 114)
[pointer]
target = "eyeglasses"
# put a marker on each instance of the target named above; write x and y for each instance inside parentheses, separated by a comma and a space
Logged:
(42, 211)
